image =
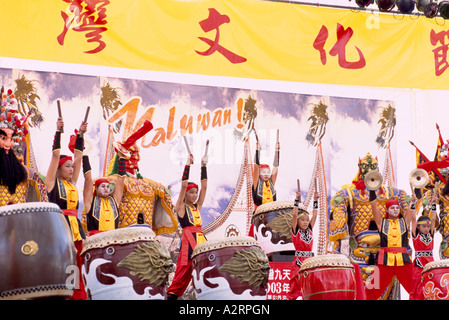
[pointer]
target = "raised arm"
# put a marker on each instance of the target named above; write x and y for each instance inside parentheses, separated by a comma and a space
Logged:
(203, 190)
(412, 215)
(120, 182)
(377, 215)
(179, 206)
(274, 173)
(78, 152)
(56, 152)
(316, 196)
(88, 192)
(256, 167)
(295, 211)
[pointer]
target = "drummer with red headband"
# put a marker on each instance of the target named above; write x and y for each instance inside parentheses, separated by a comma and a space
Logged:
(302, 238)
(101, 207)
(61, 179)
(264, 179)
(188, 206)
(423, 230)
(393, 259)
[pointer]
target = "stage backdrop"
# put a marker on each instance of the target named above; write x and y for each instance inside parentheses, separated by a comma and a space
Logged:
(250, 39)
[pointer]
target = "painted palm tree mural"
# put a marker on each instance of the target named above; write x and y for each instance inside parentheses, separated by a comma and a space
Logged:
(110, 101)
(26, 95)
(388, 122)
(319, 119)
(248, 117)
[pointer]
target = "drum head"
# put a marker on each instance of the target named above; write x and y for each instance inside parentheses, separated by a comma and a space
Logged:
(326, 260)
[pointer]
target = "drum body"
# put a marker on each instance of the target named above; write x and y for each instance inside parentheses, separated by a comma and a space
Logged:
(327, 277)
(37, 254)
(233, 268)
(125, 264)
(272, 226)
(435, 278)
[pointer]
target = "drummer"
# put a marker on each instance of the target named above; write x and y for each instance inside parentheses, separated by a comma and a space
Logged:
(422, 235)
(61, 179)
(101, 208)
(302, 239)
(264, 179)
(188, 208)
(393, 259)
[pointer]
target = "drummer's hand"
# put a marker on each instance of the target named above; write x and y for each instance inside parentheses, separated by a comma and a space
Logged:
(204, 160)
(190, 159)
(59, 124)
(83, 127)
(413, 198)
(316, 195)
(298, 195)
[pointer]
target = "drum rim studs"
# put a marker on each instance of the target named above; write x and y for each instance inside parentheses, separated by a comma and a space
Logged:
(110, 250)
(87, 256)
(430, 275)
(211, 257)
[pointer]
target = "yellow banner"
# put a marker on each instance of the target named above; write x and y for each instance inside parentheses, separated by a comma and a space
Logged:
(235, 38)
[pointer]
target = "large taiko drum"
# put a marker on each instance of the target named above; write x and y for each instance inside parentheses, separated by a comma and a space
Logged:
(327, 277)
(272, 226)
(37, 254)
(233, 268)
(435, 278)
(125, 264)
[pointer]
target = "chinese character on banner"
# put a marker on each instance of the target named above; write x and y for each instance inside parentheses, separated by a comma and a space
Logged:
(87, 16)
(278, 280)
(339, 48)
(213, 22)
(440, 53)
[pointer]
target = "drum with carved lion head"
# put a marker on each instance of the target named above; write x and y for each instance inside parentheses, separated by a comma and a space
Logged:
(126, 264)
(233, 268)
(272, 227)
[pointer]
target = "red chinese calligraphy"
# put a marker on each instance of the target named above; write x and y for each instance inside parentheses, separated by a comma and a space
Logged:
(440, 53)
(339, 48)
(213, 22)
(87, 16)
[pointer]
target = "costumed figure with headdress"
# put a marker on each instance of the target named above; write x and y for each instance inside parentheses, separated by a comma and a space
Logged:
(17, 181)
(144, 201)
(188, 207)
(393, 259)
(351, 217)
(61, 179)
(436, 192)
(264, 179)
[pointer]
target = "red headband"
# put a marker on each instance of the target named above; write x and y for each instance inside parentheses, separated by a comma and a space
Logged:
(264, 166)
(100, 181)
(191, 185)
(392, 203)
(63, 160)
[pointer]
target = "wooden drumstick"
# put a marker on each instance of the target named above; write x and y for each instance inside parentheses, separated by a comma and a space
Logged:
(60, 115)
(299, 188)
(85, 119)
(187, 145)
(207, 148)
